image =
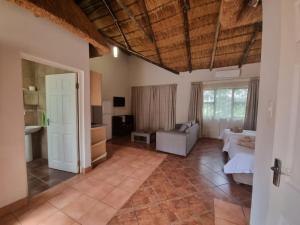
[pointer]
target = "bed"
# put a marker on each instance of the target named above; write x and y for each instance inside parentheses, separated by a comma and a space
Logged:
(241, 159)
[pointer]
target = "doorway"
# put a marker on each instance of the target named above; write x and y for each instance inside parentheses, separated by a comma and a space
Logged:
(51, 125)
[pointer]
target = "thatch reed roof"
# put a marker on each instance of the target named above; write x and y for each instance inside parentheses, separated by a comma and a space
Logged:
(181, 35)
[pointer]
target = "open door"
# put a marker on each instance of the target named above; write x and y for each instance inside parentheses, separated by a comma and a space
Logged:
(285, 190)
(61, 103)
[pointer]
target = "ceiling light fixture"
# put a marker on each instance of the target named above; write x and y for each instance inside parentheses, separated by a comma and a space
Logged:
(115, 51)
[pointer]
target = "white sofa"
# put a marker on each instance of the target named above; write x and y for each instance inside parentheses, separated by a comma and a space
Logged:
(177, 142)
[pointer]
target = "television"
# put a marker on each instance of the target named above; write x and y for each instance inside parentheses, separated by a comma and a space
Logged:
(96, 115)
(119, 101)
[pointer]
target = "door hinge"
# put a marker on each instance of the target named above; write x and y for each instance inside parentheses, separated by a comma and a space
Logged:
(77, 85)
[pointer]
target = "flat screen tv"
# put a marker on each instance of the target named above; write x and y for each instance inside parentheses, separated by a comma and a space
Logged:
(119, 101)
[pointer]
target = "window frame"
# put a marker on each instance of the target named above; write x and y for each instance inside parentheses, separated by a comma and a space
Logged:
(233, 101)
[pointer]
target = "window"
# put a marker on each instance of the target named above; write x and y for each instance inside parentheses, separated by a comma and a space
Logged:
(225, 103)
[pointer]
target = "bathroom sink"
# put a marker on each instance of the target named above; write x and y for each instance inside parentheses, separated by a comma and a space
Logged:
(32, 129)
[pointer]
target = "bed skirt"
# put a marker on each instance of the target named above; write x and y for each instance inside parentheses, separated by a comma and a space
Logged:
(243, 178)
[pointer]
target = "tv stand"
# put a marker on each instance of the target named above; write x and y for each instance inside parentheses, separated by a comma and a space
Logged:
(122, 125)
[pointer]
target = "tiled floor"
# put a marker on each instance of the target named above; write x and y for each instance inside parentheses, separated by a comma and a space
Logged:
(40, 177)
(138, 187)
(182, 190)
(230, 214)
(93, 198)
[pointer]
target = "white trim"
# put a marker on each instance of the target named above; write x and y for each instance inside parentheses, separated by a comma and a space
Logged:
(80, 73)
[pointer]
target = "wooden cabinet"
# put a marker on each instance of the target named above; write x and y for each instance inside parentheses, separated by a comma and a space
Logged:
(98, 141)
(98, 134)
(95, 81)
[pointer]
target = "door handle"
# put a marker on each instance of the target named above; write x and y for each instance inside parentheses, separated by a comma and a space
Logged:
(276, 172)
(48, 121)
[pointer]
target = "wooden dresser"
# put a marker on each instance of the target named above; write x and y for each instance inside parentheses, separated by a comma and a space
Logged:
(98, 141)
(98, 133)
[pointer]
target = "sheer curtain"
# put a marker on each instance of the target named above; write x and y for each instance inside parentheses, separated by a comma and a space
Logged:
(154, 107)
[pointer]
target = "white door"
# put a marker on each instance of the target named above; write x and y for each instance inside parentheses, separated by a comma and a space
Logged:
(285, 199)
(61, 103)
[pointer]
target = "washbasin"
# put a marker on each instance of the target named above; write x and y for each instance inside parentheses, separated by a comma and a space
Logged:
(32, 129)
(28, 142)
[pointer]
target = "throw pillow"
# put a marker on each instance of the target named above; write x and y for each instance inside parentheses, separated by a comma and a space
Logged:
(183, 128)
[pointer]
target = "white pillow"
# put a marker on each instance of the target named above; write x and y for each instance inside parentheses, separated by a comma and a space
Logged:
(189, 124)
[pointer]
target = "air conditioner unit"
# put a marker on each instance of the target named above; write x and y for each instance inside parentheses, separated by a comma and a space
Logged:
(228, 73)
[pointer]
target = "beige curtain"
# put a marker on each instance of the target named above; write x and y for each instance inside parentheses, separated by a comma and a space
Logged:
(252, 105)
(154, 107)
(196, 103)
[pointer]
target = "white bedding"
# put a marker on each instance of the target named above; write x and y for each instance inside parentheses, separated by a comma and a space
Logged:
(241, 158)
(227, 135)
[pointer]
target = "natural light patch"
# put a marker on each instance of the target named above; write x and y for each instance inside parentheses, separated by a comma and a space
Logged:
(225, 103)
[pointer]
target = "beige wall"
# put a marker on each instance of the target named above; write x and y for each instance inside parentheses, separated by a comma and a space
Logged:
(143, 73)
(120, 74)
(115, 79)
(23, 33)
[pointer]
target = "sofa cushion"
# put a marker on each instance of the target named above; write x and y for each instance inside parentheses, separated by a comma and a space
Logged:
(182, 128)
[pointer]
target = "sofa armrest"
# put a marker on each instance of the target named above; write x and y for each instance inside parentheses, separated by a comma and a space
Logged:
(171, 141)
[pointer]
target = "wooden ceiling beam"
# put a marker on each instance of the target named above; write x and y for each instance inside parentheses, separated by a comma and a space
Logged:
(132, 52)
(218, 28)
(258, 28)
(132, 17)
(63, 13)
(185, 7)
(151, 30)
(116, 23)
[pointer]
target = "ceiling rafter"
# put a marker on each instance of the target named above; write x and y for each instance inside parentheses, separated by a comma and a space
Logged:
(151, 30)
(132, 17)
(258, 28)
(108, 7)
(185, 7)
(132, 52)
(218, 28)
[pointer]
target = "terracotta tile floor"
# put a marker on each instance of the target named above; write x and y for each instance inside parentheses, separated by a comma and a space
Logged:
(93, 198)
(230, 214)
(182, 190)
(139, 187)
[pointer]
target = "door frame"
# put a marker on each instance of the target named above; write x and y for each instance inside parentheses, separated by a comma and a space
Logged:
(80, 103)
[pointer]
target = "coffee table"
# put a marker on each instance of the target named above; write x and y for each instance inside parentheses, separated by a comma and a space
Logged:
(142, 136)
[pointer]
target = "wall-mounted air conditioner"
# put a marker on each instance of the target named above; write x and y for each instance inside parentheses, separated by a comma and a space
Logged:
(228, 73)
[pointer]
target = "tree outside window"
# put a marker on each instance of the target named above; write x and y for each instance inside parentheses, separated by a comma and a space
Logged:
(225, 103)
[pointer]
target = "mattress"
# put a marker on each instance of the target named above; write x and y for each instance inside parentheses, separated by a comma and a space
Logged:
(241, 159)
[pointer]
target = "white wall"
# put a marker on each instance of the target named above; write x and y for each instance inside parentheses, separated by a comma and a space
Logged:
(21, 32)
(115, 79)
(143, 73)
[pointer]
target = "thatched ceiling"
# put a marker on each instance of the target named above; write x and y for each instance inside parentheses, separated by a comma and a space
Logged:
(179, 34)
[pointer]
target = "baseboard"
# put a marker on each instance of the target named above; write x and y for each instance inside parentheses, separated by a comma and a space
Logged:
(13, 206)
(86, 170)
